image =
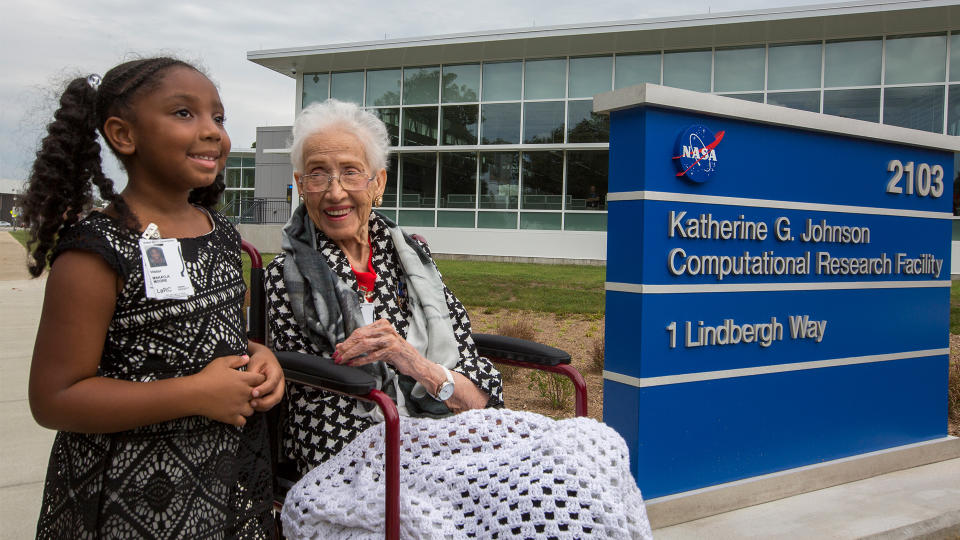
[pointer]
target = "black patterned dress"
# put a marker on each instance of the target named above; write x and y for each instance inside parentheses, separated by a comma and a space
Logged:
(319, 424)
(187, 478)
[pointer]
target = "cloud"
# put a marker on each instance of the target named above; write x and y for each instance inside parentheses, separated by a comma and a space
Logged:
(48, 40)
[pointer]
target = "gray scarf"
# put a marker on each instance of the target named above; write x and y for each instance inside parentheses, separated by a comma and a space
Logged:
(328, 310)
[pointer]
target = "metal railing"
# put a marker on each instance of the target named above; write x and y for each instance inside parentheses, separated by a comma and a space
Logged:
(257, 210)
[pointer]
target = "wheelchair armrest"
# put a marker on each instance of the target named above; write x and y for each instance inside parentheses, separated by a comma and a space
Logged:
(322, 372)
(519, 350)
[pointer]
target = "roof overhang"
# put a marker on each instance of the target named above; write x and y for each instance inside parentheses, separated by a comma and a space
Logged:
(789, 24)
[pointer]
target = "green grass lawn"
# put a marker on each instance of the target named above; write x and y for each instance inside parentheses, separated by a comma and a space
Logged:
(538, 287)
(21, 236)
(267, 257)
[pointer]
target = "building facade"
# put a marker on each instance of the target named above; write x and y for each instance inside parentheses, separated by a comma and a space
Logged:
(496, 150)
(239, 178)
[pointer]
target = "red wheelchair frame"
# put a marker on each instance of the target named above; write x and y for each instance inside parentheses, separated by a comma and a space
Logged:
(323, 373)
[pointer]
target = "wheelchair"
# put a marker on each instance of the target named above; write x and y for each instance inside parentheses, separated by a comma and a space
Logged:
(322, 373)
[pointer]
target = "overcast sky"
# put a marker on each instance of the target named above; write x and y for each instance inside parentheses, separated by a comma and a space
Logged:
(45, 42)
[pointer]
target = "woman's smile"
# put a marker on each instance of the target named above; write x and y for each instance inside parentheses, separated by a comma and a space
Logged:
(337, 213)
(205, 160)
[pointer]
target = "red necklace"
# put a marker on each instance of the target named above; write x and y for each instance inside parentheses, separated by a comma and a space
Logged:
(366, 280)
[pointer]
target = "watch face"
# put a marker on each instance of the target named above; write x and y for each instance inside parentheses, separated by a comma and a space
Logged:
(446, 391)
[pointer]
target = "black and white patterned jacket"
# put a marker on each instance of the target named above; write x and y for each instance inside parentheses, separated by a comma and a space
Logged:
(318, 423)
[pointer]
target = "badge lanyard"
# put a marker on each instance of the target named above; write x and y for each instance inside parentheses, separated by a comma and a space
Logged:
(165, 274)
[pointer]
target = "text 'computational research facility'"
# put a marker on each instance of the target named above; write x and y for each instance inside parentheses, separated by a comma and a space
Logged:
(497, 151)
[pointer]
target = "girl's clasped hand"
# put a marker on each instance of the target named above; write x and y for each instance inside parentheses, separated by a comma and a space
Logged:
(230, 396)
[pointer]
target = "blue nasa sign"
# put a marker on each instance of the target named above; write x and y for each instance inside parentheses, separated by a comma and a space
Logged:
(696, 153)
(770, 314)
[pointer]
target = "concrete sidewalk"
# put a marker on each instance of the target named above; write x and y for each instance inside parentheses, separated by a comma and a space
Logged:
(921, 502)
(24, 446)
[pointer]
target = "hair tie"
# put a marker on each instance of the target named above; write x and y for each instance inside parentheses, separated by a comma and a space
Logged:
(94, 81)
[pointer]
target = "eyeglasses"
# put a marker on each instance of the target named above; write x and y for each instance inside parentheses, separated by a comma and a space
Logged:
(349, 180)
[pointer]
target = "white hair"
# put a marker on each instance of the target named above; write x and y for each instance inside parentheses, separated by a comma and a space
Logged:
(364, 125)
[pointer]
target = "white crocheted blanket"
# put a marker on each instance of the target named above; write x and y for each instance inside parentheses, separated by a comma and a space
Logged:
(485, 474)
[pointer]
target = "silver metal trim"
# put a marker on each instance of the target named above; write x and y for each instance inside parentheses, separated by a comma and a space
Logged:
(724, 107)
(771, 287)
(570, 30)
(770, 203)
(647, 382)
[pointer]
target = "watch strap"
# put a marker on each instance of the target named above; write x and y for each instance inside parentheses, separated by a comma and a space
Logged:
(443, 384)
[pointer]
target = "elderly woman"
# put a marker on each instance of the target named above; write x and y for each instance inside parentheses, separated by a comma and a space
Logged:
(351, 286)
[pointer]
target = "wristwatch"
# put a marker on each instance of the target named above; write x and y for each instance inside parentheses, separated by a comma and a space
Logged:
(445, 390)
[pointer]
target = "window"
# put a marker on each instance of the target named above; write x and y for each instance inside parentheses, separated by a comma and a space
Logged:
(739, 69)
(862, 104)
(688, 69)
(585, 126)
(383, 87)
(542, 181)
(852, 63)
(586, 180)
(497, 220)
(419, 180)
(753, 97)
(794, 66)
(458, 180)
(590, 76)
(460, 220)
(501, 81)
(635, 69)
(315, 88)
(920, 59)
(421, 85)
(390, 191)
(915, 107)
(540, 220)
(953, 111)
(420, 126)
(545, 79)
(461, 83)
(347, 86)
(391, 118)
(499, 179)
(500, 123)
(459, 124)
(543, 122)
(955, 56)
(238, 177)
(805, 101)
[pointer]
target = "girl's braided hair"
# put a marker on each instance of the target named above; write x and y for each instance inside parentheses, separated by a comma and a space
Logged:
(68, 163)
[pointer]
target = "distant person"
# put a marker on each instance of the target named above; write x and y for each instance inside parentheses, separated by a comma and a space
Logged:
(155, 256)
(157, 401)
(593, 199)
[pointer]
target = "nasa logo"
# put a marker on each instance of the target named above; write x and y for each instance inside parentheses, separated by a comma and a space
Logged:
(695, 153)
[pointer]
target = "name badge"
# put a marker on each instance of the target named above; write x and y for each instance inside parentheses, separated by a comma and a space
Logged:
(366, 309)
(165, 274)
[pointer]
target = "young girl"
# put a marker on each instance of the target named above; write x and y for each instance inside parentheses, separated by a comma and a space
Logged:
(144, 369)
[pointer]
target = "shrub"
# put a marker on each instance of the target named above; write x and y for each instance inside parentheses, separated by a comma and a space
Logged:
(522, 329)
(558, 389)
(596, 354)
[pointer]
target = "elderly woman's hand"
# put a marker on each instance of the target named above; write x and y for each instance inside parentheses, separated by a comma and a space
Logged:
(378, 342)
